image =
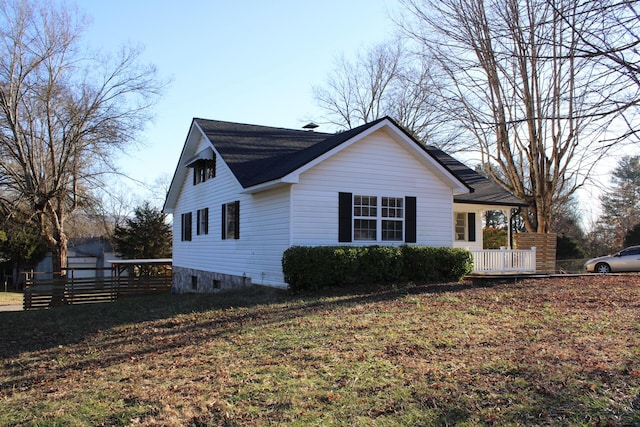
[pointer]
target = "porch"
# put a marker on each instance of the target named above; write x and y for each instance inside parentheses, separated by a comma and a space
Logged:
(504, 261)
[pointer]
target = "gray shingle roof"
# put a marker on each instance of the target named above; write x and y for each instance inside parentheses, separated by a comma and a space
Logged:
(258, 154)
(485, 190)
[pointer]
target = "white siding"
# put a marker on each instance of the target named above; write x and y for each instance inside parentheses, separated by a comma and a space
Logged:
(376, 165)
(465, 244)
(264, 228)
(269, 235)
(305, 213)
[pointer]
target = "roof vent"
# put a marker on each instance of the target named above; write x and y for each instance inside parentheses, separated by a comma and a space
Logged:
(310, 126)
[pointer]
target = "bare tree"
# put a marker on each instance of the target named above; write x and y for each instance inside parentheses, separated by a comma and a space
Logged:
(63, 112)
(519, 85)
(387, 80)
(356, 91)
(615, 44)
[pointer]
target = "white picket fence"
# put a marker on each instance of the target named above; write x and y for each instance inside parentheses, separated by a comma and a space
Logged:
(496, 261)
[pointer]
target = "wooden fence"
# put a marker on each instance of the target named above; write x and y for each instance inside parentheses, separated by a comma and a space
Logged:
(545, 244)
(64, 291)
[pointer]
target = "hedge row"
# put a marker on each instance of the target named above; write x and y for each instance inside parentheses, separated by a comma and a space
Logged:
(308, 268)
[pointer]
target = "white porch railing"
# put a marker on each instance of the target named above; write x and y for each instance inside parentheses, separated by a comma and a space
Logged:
(504, 261)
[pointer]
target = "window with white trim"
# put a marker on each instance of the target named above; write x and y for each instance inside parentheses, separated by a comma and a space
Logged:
(465, 226)
(231, 220)
(365, 213)
(461, 226)
(392, 218)
(186, 226)
(203, 221)
(378, 218)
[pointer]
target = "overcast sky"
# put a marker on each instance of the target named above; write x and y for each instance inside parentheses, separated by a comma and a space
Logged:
(242, 61)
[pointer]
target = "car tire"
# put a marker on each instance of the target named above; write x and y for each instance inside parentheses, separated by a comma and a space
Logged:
(602, 268)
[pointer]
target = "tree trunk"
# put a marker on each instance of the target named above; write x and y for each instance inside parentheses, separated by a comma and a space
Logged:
(59, 262)
(59, 255)
(14, 276)
(523, 88)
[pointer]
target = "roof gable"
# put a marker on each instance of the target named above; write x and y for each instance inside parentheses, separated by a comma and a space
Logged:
(257, 155)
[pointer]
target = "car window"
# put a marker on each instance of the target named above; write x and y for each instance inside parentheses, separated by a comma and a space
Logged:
(630, 251)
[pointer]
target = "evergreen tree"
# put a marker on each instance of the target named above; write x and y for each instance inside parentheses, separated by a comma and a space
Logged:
(568, 247)
(621, 205)
(20, 244)
(632, 237)
(145, 236)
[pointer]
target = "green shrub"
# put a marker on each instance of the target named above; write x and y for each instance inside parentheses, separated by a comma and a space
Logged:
(309, 268)
(424, 263)
(379, 264)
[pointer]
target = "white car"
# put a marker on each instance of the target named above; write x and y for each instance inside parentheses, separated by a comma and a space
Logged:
(627, 259)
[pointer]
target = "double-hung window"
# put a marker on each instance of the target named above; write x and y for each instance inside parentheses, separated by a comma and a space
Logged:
(186, 226)
(461, 226)
(231, 220)
(378, 218)
(465, 226)
(392, 218)
(365, 217)
(203, 221)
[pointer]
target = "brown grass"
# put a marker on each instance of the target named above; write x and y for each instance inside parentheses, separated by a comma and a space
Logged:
(536, 352)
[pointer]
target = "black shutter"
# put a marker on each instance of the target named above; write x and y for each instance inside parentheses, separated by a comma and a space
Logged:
(471, 224)
(237, 218)
(206, 220)
(199, 215)
(345, 201)
(410, 220)
(224, 222)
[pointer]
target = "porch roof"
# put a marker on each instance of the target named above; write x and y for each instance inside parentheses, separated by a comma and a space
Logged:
(486, 191)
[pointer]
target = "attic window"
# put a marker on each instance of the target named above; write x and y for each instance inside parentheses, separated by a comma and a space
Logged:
(203, 170)
(204, 166)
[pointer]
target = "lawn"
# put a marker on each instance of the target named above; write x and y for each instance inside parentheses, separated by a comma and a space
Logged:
(535, 352)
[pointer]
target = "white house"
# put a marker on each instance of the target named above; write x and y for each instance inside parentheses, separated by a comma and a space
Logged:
(242, 194)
